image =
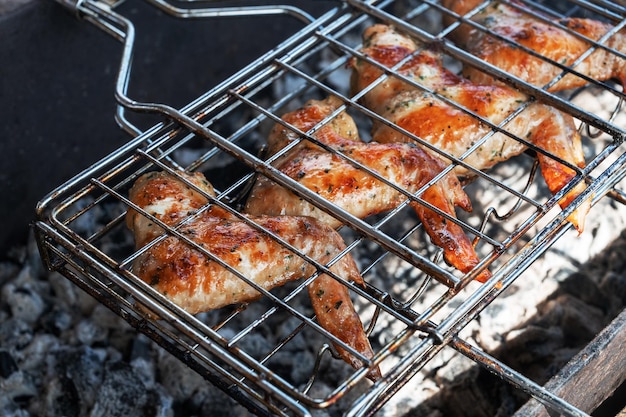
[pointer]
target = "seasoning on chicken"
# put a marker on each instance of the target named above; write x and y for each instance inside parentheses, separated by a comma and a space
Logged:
(355, 190)
(563, 45)
(458, 134)
(197, 283)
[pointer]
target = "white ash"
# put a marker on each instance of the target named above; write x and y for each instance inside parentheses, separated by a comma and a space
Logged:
(69, 355)
(549, 314)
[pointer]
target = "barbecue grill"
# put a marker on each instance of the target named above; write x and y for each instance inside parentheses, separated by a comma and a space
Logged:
(413, 305)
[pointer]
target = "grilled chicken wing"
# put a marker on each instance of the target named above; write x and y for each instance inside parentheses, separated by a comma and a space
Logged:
(197, 283)
(355, 190)
(455, 132)
(559, 44)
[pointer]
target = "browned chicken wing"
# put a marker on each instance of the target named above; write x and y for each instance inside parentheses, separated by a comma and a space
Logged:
(542, 36)
(197, 283)
(454, 131)
(355, 190)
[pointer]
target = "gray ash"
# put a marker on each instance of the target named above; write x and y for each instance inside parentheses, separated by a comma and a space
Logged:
(584, 303)
(64, 354)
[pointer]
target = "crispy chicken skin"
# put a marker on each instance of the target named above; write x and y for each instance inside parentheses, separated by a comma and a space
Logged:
(355, 190)
(454, 131)
(544, 37)
(197, 283)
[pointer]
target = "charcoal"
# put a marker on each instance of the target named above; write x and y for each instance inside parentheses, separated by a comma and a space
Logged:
(457, 371)
(255, 343)
(613, 285)
(68, 355)
(89, 332)
(533, 342)
(13, 411)
(217, 406)
(182, 384)
(142, 361)
(64, 292)
(8, 270)
(57, 320)
(15, 334)
(15, 391)
(34, 357)
(298, 365)
(577, 320)
(123, 394)
(80, 372)
(85, 224)
(141, 348)
(60, 398)
(7, 364)
(145, 370)
(23, 300)
(581, 321)
(584, 288)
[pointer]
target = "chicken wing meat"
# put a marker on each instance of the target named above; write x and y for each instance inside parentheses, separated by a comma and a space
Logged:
(197, 283)
(425, 114)
(558, 40)
(356, 190)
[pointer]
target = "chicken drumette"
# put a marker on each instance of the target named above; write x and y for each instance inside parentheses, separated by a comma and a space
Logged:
(197, 283)
(423, 112)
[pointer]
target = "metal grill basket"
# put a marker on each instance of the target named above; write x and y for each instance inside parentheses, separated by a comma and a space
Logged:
(413, 305)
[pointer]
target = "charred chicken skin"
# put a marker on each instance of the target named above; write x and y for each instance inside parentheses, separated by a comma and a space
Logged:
(356, 190)
(426, 115)
(558, 44)
(198, 283)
